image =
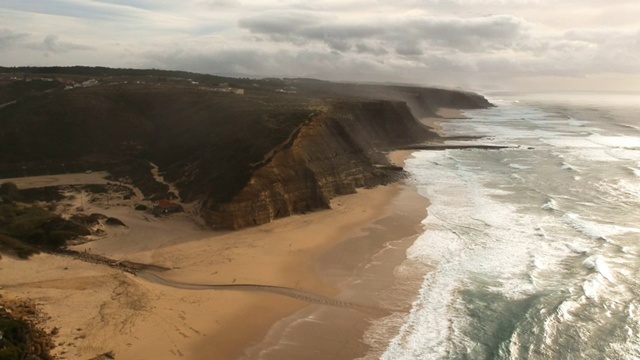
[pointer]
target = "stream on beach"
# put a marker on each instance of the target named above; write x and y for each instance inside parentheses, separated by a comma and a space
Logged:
(535, 248)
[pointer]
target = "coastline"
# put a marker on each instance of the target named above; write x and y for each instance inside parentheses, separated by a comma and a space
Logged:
(443, 114)
(135, 319)
(363, 268)
(151, 280)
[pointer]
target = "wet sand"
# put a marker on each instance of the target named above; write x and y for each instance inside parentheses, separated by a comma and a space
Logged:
(363, 269)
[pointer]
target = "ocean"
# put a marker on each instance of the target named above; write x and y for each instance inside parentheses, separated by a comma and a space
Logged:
(533, 250)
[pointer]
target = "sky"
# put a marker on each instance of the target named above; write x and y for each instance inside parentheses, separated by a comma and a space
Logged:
(482, 45)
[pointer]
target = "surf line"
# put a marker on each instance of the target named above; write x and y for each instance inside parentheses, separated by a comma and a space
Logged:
(278, 290)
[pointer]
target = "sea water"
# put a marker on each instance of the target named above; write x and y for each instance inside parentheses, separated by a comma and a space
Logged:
(534, 249)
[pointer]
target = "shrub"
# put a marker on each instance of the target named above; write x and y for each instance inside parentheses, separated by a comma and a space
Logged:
(21, 338)
(58, 238)
(9, 192)
(27, 221)
(15, 338)
(24, 229)
(16, 247)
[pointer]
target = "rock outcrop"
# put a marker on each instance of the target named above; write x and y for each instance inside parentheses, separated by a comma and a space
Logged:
(333, 154)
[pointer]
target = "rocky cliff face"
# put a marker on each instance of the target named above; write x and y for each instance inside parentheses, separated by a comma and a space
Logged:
(333, 154)
(248, 159)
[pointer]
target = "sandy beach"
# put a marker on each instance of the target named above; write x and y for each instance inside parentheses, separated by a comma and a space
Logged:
(330, 273)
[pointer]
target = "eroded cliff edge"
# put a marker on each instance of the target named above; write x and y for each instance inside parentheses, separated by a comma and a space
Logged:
(280, 147)
(334, 153)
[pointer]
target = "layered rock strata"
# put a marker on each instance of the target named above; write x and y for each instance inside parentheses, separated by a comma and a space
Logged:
(333, 154)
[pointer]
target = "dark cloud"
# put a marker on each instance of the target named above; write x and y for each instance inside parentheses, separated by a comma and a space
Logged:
(52, 44)
(301, 27)
(342, 31)
(409, 48)
(472, 35)
(364, 48)
(279, 23)
(441, 41)
(10, 38)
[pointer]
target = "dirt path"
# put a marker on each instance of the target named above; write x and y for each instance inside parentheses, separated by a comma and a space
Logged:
(279, 290)
(155, 171)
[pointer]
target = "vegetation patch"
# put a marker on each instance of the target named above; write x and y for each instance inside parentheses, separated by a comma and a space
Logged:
(21, 337)
(26, 229)
(15, 247)
(115, 222)
(46, 194)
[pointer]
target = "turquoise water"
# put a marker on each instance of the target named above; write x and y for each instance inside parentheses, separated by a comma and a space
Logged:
(535, 248)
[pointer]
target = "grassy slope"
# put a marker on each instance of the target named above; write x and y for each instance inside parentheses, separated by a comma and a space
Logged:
(205, 141)
(202, 138)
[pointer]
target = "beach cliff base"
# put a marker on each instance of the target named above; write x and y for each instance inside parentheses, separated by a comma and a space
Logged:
(327, 275)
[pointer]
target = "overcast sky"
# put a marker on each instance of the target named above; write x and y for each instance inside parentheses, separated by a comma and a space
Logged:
(475, 44)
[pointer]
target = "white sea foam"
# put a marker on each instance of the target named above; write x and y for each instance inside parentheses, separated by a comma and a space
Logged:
(591, 288)
(577, 249)
(577, 123)
(628, 126)
(629, 142)
(625, 153)
(622, 191)
(594, 154)
(635, 171)
(572, 142)
(594, 229)
(567, 166)
(502, 246)
(550, 205)
(598, 264)
(541, 232)
(498, 192)
(567, 309)
(469, 233)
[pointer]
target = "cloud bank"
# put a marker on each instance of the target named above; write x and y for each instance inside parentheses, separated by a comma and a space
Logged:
(478, 44)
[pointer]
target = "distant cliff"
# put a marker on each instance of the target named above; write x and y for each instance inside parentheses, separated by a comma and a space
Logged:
(285, 146)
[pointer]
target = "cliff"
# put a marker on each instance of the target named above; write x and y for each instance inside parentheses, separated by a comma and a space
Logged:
(333, 154)
(285, 146)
